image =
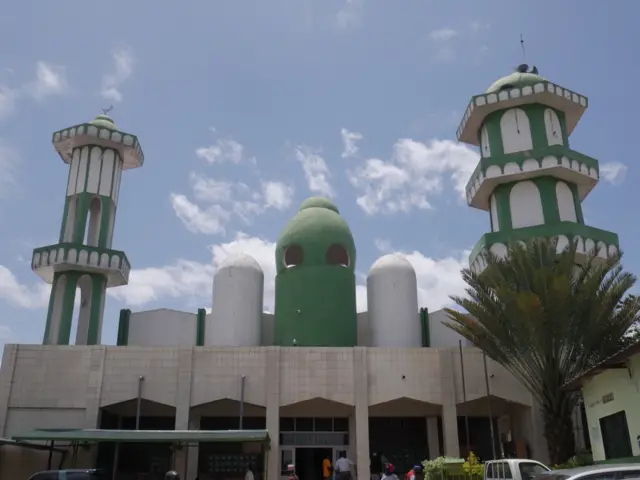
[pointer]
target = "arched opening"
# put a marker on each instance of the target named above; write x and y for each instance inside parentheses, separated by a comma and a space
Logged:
(70, 220)
(526, 205)
(485, 147)
(293, 256)
(515, 131)
(552, 127)
(566, 205)
(337, 255)
(92, 231)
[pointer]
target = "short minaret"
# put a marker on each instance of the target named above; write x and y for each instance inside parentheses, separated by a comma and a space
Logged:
(97, 153)
(528, 178)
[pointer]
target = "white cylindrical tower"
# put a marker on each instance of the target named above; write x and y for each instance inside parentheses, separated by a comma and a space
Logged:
(236, 311)
(392, 297)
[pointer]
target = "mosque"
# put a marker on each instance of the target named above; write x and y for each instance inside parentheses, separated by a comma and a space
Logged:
(209, 394)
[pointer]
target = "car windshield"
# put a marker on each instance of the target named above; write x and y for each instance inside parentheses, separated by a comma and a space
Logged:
(529, 470)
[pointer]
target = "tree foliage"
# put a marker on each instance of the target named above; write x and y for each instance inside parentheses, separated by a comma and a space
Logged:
(547, 317)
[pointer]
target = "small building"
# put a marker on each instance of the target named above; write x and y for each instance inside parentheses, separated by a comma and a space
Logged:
(611, 394)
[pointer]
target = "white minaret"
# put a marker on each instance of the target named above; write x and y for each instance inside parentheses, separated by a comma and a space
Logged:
(97, 153)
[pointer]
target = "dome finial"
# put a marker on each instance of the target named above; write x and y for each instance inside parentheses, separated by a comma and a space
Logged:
(105, 111)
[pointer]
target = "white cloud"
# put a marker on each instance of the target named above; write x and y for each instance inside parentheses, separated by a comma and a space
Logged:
(315, 170)
(349, 14)
(23, 296)
(210, 220)
(123, 63)
(222, 151)
(349, 140)
(613, 172)
(220, 200)
(442, 35)
(50, 80)
(415, 172)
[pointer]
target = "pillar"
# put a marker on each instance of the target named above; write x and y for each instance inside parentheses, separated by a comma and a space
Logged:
(449, 409)
(433, 440)
(352, 451)
(361, 394)
(272, 374)
(183, 408)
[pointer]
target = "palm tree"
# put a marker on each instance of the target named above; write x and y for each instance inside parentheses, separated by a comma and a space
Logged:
(547, 317)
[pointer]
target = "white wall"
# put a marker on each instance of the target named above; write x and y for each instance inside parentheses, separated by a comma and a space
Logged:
(364, 330)
(515, 131)
(626, 391)
(441, 336)
(552, 127)
(495, 221)
(162, 328)
(566, 205)
(526, 205)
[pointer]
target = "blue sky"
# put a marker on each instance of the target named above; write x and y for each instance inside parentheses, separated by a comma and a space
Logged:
(246, 107)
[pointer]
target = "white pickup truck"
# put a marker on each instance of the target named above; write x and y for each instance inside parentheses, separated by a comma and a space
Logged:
(513, 469)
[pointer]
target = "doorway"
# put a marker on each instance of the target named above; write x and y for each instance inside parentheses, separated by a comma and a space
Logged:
(615, 436)
(309, 462)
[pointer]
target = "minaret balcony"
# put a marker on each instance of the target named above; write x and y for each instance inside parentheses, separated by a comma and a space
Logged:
(546, 93)
(61, 257)
(556, 161)
(64, 141)
(587, 238)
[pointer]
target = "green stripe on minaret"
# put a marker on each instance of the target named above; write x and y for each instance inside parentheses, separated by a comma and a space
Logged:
(200, 327)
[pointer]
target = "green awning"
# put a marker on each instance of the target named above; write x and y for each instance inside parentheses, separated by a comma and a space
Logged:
(33, 446)
(147, 436)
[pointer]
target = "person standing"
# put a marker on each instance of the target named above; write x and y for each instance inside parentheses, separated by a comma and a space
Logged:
(249, 474)
(343, 467)
(326, 468)
(376, 466)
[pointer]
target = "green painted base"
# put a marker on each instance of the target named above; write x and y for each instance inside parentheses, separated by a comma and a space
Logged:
(316, 306)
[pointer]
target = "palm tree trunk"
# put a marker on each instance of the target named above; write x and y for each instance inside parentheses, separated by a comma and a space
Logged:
(557, 413)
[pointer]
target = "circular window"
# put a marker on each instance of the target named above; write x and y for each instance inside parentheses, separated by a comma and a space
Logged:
(293, 256)
(337, 255)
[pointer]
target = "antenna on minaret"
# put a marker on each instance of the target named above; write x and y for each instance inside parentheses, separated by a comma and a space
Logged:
(524, 56)
(106, 110)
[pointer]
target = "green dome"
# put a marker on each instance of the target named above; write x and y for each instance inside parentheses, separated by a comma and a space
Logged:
(315, 228)
(104, 121)
(319, 202)
(515, 80)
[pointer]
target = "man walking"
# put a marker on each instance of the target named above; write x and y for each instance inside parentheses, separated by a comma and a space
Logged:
(343, 467)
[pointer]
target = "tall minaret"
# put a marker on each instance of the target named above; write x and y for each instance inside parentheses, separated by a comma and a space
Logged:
(528, 178)
(97, 153)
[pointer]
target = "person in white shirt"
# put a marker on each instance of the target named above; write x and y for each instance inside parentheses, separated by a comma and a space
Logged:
(343, 467)
(249, 474)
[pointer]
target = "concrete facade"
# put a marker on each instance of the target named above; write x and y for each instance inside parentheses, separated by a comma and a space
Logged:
(67, 386)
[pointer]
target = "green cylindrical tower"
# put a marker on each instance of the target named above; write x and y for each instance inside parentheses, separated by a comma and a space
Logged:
(315, 281)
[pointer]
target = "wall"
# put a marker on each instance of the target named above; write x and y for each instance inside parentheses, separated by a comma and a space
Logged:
(441, 336)
(162, 327)
(364, 330)
(626, 392)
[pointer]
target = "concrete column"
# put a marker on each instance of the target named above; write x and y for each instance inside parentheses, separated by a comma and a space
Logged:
(183, 405)
(352, 451)
(6, 381)
(433, 440)
(528, 426)
(272, 375)
(194, 450)
(94, 386)
(361, 393)
(449, 410)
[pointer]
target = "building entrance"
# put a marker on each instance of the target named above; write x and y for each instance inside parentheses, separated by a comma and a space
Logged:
(309, 461)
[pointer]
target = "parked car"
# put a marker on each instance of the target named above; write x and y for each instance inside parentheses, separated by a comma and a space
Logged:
(622, 471)
(75, 474)
(514, 469)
